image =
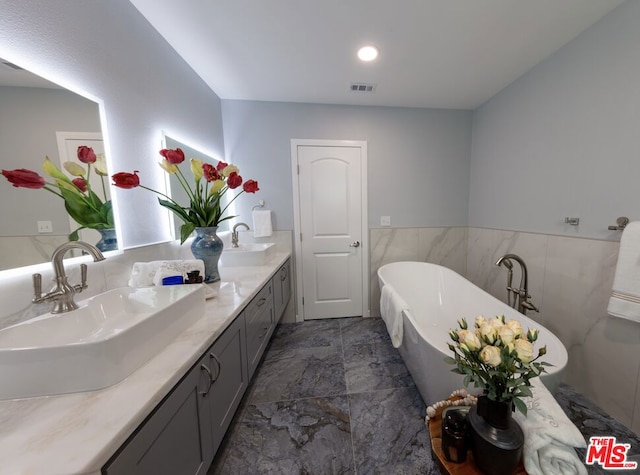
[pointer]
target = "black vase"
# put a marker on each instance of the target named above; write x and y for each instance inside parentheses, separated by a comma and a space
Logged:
(496, 439)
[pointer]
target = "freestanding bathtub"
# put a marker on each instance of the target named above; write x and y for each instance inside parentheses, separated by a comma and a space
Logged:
(437, 297)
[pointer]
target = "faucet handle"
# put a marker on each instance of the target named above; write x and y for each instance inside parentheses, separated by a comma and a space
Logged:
(37, 287)
(83, 279)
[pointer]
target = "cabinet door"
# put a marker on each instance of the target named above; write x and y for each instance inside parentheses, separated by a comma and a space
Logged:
(259, 331)
(227, 360)
(282, 289)
(176, 437)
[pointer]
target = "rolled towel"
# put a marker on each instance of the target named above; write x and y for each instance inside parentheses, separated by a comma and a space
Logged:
(549, 436)
(146, 274)
(391, 308)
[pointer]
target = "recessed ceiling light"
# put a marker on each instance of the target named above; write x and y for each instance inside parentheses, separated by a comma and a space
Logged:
(368, 53)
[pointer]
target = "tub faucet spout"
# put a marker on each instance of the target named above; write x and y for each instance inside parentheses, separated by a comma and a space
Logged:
(520, 295)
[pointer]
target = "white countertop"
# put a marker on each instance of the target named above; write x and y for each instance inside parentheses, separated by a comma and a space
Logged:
(78, 433)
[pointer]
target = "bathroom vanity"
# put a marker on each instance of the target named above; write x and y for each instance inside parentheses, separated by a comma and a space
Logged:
(171, 414)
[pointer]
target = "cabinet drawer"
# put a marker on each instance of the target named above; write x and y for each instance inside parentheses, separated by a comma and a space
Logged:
(259, 330)
(282, 289)
(259, 301)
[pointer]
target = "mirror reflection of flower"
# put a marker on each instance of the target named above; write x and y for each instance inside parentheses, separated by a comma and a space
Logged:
(80, 201)
(205, 197)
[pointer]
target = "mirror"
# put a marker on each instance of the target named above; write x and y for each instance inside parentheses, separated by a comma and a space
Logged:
(173, 185)
(39, 119)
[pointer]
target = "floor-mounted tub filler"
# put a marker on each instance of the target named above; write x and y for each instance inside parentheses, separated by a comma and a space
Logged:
(435, 299)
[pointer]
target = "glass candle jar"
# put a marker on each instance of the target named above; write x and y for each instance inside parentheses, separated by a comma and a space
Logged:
(454, 434)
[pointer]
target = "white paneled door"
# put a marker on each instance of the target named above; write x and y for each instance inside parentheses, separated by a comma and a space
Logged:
(331, 240)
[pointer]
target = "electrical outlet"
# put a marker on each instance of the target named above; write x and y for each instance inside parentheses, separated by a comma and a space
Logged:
(45, 227)
(385, 220)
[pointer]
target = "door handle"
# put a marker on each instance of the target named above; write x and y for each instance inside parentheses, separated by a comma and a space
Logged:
(355, 244)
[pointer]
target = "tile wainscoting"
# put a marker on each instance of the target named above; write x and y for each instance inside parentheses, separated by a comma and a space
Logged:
(570, 281)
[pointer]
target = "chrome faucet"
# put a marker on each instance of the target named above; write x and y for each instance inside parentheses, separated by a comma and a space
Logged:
(234, 234)
(62, 294)
(520, 295)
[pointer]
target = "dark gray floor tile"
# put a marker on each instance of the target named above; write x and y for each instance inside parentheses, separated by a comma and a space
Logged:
(309, 436)
(310, 334)
(356, 331)
(388, 432)
(370, 367)
(300, 373)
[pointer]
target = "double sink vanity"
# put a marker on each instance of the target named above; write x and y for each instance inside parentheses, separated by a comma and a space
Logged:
(153, 376)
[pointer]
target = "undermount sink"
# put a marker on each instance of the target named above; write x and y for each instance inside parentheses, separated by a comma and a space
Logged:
(252, 254)
(101, 343)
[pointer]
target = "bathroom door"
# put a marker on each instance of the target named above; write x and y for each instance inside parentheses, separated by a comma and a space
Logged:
(331, 230)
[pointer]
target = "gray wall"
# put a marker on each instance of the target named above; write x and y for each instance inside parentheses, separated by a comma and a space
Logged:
(108, 50)
(563, 139)
(418, 159)
(29, 120)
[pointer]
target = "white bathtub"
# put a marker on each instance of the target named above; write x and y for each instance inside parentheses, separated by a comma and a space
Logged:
(437, 297)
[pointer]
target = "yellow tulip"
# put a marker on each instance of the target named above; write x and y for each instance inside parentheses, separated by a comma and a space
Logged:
(74, 169)
(196, 168)
(229, 169)
(101, 165)
(53, 171)
(217, 186)
(168, 166)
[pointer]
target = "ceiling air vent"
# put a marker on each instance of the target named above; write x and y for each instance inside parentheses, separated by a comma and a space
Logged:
(9, 65)
(362, 87)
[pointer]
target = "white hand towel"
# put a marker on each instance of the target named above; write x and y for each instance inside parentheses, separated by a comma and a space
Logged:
(625, 296)
(143, 274)
(391, 307)
(262, 223)
(549, 436)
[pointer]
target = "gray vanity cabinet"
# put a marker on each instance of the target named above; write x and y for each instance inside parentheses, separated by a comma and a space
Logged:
(183, 433)
(227, 360)
(176, 437)
(282, 288)
(260, 321)
(185, 430)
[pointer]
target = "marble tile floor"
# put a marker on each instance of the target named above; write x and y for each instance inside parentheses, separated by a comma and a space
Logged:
(334, 397)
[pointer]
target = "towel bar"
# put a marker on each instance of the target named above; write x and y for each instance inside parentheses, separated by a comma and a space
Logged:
(621, 223)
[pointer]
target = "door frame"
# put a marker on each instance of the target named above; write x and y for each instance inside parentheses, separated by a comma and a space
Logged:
(364, 218)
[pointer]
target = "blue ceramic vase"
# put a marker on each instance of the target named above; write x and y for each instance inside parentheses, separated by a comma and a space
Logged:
(108, 240)
(207, 246)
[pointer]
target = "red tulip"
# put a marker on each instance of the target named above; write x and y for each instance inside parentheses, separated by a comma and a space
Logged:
(86, 154)
(250, 186)
(173, 156)
(209, 172)
(23, 178)
(126, 180)
(221, 166)
(80, 183)
(234, 180)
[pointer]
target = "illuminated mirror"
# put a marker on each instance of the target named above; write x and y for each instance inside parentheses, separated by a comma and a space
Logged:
(40, 119)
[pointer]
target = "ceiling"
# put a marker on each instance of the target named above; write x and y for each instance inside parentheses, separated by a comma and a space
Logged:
(453, 54)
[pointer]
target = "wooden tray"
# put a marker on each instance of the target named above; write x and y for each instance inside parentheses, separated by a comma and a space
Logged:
(450, 468)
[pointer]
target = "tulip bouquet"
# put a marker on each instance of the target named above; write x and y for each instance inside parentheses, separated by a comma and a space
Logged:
(205, 198)
(497, 356)
(80, 201)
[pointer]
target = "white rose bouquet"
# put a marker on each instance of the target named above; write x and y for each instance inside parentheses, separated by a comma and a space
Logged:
(498, 357)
